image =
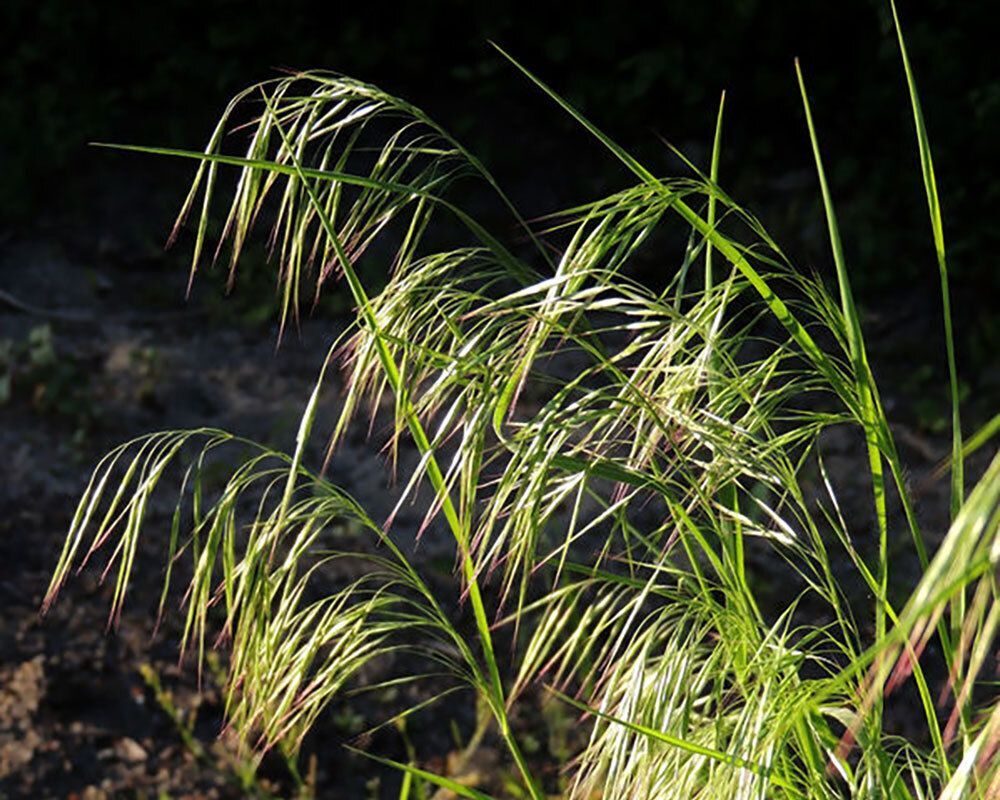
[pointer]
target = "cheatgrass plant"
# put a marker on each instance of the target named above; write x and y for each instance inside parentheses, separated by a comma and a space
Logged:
(616, 463)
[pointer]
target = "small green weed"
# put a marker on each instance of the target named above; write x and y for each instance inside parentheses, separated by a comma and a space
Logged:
(55, 385)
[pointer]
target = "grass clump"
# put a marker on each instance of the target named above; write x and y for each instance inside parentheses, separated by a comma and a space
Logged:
(611, 461)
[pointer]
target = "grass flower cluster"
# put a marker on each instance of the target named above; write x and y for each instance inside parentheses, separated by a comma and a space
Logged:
(610, 459)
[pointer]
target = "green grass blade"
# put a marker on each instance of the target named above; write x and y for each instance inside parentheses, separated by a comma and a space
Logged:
(859, 363)
(626, 158)
(713, 174)
(958, 607)
(444, 783)
(972, 444)
(937, 228)
(517, 268)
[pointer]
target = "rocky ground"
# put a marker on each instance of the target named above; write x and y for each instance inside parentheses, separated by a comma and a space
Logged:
(99, 346)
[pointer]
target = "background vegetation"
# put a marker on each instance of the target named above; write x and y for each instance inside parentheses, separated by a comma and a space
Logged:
(73, 73)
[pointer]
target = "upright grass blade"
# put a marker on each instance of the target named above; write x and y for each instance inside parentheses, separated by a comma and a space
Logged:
(958, 610)
(859, 362)
(733, 542)
(937, 228)
(874, 422)
(713, 174)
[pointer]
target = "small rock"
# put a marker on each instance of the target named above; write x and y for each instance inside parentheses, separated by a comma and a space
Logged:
(130, 751)
(21, 691)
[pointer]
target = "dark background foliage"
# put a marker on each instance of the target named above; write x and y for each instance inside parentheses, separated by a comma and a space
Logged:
(160, 73)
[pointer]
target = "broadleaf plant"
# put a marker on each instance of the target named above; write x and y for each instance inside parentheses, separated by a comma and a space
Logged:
(616, 464)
